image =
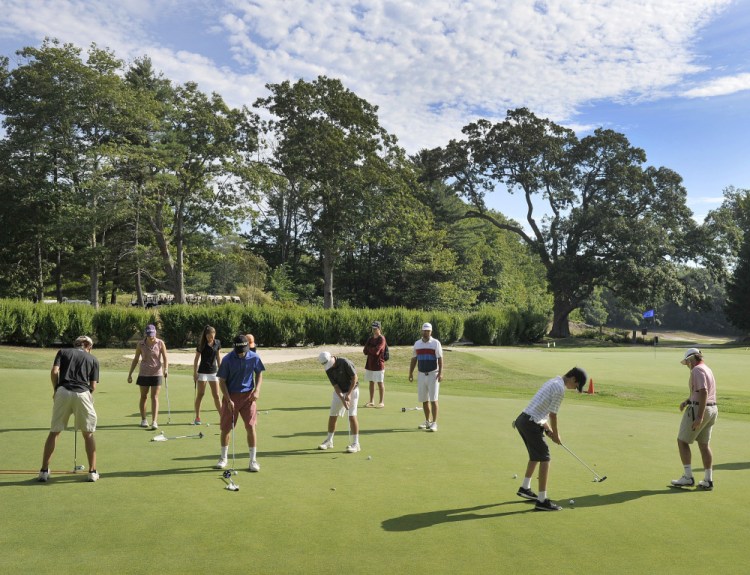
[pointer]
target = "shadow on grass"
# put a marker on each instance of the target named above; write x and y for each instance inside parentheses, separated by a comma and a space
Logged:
(415, 521)
(626, 496)
(737, 466)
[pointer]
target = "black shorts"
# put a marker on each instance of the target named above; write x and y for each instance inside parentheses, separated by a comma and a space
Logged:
(150, 380)
(533, 437)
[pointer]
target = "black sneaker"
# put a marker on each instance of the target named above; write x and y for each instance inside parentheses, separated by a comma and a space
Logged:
(526, 494)
(546, 505)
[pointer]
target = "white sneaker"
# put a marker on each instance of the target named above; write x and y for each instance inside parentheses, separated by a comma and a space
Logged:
(93, 476)
(253, 466)
(154, 425)
(425, 425)
(43, 476)
(433, 426)
(144, 423)
(327, 444)
(705, 485)
(683, 481)
(221, 464)
(353, 448)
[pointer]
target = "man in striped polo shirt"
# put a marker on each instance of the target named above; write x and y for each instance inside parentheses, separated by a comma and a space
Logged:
(427, 357)
(540, 418)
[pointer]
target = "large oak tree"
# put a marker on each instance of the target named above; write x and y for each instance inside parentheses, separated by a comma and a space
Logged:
(596, 214)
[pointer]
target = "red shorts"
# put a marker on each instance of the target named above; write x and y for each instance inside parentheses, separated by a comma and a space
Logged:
(243, 407)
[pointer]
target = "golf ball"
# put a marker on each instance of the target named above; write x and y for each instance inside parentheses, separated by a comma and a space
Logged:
(572, 501)
(515, 476)
(369, 457)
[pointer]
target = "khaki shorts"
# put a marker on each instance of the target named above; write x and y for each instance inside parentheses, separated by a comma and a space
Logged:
(428, 387)
(703, 433)
(69, 403)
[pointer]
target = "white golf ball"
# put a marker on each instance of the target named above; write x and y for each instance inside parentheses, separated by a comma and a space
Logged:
(208, 424)
(572, 501)
(369, 457)
(515, 476)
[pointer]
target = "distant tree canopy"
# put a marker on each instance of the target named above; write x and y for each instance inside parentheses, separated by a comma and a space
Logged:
(117, 180)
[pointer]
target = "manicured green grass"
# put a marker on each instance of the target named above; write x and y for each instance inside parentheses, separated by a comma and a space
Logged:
(424, 503)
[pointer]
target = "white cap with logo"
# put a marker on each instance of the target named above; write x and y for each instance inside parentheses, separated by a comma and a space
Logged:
(326, 360)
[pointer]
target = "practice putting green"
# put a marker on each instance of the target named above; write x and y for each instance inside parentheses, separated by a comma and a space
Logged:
(409, 502)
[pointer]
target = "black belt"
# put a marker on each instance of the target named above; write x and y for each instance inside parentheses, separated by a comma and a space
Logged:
(698, 403)
(427, 372)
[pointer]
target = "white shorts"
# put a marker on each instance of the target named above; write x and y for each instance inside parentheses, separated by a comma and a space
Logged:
(68, 403)
(337, 406)
(376, 376)
(428, 387)
(211, 377)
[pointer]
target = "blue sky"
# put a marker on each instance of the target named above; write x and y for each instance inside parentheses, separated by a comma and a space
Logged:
(673, 75)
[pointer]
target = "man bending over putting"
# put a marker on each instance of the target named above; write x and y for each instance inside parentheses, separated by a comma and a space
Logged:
(540, 418)
(343, 377)
(75, 373)
(240, 377)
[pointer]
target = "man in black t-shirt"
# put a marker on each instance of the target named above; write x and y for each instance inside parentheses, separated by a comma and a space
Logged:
(74, 375)
(343, 377)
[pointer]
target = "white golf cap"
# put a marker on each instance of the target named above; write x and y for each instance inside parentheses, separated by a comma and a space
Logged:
(690, 352)
(326, 360)
(426, 325)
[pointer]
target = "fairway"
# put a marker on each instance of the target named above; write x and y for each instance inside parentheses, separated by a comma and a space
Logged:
(409, 502)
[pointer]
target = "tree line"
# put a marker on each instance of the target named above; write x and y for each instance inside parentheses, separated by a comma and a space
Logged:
(117, 180)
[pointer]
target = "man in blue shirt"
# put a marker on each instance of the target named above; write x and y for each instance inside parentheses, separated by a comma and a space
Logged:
(240, 377)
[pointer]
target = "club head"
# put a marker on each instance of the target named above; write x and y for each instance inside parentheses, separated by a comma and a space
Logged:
(403, 409)
(200, 435)
(78, 468)
(600, 479)
(160, 437)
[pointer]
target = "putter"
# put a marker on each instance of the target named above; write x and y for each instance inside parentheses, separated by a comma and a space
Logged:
(76, 467)
(169, 409)
(597, 479)
(162, 437)
(405, 409)
(227, 474)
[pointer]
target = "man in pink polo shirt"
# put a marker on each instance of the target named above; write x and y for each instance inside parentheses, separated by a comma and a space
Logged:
(698, 419)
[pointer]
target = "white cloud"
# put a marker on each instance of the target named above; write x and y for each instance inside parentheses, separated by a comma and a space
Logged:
(431, 66)
(720, 87)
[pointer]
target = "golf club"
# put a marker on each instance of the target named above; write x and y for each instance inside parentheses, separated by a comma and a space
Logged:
(597, 479)
(169, 409)
(76, 467)
(162, 437)
(229, 472)
(404, 409)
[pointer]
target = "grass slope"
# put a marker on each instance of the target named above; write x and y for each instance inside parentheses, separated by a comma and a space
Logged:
(424, 503)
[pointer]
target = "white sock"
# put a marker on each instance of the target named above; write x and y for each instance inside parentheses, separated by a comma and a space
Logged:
(526, 483)
(708, 474)
(542, 496)
(224, 451)
(688, 470)
(330, 437)
(252, 453)
(356, 438)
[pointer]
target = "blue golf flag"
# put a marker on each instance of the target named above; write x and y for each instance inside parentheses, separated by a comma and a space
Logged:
(649, 313)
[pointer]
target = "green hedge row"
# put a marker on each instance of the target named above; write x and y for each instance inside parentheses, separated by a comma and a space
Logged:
(506, 326)
(24, 323)
(276, 326)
